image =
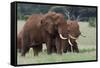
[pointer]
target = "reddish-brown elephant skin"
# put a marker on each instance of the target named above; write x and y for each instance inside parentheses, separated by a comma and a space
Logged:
(73, 30)
(32, 34)
(20, 43)
(42, 29)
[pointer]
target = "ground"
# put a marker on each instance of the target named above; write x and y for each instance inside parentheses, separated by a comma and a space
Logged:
(87, 48)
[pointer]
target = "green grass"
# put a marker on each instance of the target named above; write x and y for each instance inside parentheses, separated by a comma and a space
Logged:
(84, 55)
(87, 48)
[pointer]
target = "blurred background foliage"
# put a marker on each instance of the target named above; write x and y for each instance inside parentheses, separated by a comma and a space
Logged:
(87, 14)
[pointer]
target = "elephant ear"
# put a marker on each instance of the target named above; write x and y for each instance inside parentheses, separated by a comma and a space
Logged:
(43, 21)
(45, 18)
(47, 23)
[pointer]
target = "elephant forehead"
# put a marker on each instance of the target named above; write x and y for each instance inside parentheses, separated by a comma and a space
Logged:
(73, 26)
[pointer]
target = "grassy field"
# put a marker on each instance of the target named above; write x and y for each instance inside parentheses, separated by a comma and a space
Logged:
(87, 47)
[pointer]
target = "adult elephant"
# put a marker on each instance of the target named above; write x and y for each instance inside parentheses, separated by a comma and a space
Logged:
(40, 29)
(73, 33)
(19, 40)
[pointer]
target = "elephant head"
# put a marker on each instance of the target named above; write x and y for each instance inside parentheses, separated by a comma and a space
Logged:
(55, 23)
(73, 29)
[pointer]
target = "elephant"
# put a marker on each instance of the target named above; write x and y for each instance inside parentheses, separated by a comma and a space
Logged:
(43, 28)
(74, 33)
(19, 40)
(68, 43)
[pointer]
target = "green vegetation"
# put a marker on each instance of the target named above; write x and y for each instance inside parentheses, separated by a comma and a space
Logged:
(92, 22)
(66, 57)
(87, 47)
(24, 10)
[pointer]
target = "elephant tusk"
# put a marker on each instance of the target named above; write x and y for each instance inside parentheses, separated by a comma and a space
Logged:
(72, 37)
(70, 42)
(62, 37)
(70, 45)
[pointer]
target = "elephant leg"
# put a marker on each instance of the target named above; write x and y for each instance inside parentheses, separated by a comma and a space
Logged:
(24, 50)
(75, 47)
(58, 49)
(69, 48)
(58, 46)
(66, 48)
(49, 51)
(25, 45)
(49, 46)
(54, 47)
(35, 49)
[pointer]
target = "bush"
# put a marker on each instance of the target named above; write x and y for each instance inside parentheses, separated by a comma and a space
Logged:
(92, 22)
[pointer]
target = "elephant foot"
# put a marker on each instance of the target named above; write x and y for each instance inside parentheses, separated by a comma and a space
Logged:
(75, 49)
(59, 52)
(24, 51)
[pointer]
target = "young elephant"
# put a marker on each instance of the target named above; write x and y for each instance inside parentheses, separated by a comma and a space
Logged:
(40, 29)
